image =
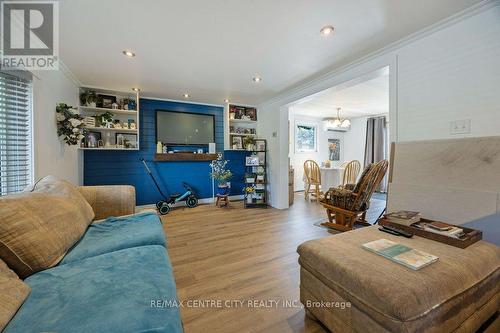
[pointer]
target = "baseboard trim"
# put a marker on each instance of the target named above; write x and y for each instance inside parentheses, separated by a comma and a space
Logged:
(204, 201)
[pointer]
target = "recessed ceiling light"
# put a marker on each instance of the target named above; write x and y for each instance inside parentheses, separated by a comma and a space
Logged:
(186, 95)
(327, 30)
(136, 89)
(257, 79)
(226, 100)
(128, 53)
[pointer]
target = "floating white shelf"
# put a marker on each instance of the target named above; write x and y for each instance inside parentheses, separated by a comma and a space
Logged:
(105, 148)
(242, 121)
(124, 130)
(104, 110)
(242, 134)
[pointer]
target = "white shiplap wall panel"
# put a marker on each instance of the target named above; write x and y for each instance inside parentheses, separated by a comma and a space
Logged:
(453, 74)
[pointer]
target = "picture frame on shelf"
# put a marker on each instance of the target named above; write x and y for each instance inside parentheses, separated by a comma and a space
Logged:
(106, 101)
(129, 139)
(251, 113)
(252, 160)
(260, 145)
(92, 139)
(239, 112)
(237, 142)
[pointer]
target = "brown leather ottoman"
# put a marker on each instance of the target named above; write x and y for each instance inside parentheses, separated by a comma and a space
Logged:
(350, 289)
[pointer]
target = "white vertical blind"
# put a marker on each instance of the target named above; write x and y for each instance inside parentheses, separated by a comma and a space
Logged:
(15, 132)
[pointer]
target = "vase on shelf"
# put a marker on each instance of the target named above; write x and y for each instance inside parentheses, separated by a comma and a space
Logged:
(249, 199)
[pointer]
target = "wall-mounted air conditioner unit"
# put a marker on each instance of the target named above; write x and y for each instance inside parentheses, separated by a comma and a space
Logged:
(335, 124)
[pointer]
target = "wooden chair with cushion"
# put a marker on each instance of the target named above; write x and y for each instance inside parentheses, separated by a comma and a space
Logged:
(351, 172)
(346, 206)
(312, 176)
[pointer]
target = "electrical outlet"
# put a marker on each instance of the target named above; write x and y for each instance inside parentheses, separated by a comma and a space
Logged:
(460, 127)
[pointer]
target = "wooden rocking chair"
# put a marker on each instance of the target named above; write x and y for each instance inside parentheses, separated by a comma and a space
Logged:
(346, 206)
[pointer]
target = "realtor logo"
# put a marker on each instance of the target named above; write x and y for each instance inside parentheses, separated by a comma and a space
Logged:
(29, 35)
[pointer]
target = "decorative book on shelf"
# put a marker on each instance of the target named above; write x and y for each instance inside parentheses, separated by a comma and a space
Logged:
(400, 253)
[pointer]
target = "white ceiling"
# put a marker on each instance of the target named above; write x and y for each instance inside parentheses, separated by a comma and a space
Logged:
(363, 97)
(212, 49)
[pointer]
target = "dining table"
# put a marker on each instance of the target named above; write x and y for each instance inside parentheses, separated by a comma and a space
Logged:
(331, 177)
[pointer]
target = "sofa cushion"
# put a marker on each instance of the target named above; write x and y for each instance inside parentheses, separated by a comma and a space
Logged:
(13, 292)
(37, 230)
(61, 188)
(446, 292)
(113, 292)
(117, 233)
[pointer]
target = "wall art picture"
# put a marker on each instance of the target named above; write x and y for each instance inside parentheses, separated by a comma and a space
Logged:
(334, 149)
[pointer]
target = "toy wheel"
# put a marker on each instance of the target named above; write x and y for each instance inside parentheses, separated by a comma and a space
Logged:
(192, 202)
(164, 209)
(159, 204)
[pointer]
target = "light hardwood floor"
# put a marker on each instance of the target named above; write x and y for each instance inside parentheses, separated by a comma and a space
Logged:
(241, 254)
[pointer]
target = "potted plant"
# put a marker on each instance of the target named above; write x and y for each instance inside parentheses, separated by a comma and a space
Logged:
(260, 176)
(249, 190)
(221, 175)
(88, 98)
(249, 177)
(249, 142)
(101, 120)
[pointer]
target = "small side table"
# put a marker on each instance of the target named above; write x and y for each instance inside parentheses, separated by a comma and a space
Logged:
(222, 200)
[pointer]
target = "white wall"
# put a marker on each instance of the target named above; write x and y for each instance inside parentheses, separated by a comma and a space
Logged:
(448, 72)
(51, 156)
(355, 140)
(320, 155)
(453, 74)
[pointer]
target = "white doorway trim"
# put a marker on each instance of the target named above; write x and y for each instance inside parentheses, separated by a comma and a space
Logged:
(279, 151)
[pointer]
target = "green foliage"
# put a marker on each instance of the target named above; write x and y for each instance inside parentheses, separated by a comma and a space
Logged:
(69, 124)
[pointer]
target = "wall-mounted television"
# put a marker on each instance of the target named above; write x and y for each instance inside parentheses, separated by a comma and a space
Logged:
(184, 128)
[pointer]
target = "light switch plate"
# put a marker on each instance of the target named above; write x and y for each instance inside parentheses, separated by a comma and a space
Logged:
(460, 126)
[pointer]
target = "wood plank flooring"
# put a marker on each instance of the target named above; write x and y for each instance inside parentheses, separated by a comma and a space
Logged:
(226, 254)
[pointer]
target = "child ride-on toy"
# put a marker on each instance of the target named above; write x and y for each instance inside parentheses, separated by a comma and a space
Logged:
(163, 206)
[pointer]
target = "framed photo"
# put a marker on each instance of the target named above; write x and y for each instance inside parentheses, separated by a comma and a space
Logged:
(92, 139)
(260, 145)
(239, 112)
(129, 139)
(252, 160)
(251, 113)
(334, 149)
(237, 142)
(106, 101)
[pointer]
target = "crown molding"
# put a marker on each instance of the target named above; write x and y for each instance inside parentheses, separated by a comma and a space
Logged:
(181, 101)
(386, 50)
(69, 74)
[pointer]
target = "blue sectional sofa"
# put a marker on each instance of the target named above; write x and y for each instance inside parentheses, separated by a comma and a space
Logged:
(110, 281)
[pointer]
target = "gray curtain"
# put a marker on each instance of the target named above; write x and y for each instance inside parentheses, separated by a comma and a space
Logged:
(376, 144)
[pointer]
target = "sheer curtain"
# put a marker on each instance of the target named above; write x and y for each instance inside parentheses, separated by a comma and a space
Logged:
(376, 144)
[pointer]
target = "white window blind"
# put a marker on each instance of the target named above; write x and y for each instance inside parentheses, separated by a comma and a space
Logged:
(15, 132)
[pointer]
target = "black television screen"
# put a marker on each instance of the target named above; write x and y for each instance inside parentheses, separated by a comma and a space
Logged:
(183, 128)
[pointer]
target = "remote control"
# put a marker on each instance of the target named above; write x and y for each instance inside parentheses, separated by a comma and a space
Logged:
(389, 231)
(398, 231)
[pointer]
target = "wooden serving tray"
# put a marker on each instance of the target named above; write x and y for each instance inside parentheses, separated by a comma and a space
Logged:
(471, 235)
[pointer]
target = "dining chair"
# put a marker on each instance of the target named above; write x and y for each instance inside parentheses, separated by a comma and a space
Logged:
(312, 176)
(351, 172)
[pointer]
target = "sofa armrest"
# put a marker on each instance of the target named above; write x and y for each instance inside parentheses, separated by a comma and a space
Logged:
(110, 200)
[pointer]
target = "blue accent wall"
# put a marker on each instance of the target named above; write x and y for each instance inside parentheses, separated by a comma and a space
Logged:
(108, 167)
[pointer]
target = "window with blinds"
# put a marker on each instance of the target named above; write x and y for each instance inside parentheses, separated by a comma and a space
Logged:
(15, 132)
